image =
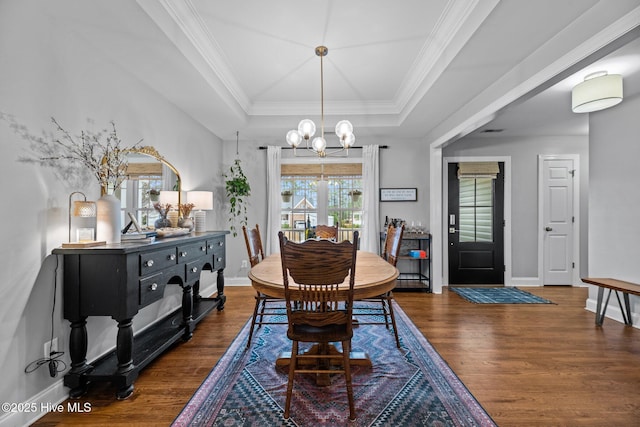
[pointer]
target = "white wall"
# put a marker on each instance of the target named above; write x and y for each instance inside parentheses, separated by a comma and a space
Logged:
(614, 198)
(405, 164)
(50, 67)
(524, 170)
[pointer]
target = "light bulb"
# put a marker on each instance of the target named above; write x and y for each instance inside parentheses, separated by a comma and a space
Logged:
(307, 128)
(343, 128)
(294, 138)
(319, 144)
(348, 141)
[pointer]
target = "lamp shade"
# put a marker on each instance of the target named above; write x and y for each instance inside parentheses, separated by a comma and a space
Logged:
(202, 200)
(597, 92)
(84, 208)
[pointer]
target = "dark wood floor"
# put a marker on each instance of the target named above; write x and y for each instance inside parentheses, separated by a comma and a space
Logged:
(528, 365)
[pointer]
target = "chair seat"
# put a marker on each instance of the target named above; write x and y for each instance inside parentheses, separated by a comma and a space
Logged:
(328, 333)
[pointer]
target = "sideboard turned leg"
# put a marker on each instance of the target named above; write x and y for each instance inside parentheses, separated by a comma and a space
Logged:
(187, 312)
(75, 378)
(124, 353)
(220, 284)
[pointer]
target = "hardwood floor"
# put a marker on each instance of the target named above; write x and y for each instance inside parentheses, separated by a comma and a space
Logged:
(527, 364)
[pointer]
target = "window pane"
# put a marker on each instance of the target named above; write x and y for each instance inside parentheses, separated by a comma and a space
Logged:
(484, 192)
(467, 191)
(467, 224)
(484, 224)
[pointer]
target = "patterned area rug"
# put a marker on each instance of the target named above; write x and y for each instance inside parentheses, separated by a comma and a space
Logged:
(411, 386)
(498, 296)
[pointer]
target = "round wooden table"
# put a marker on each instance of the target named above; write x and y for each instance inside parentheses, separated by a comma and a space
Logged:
(374, 276)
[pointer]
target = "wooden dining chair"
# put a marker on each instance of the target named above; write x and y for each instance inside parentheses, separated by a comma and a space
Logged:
(261, 309)
(319, 306)
(327, 232)
(390, 252)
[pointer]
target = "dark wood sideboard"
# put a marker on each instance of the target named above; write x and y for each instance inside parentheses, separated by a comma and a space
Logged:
(118, 280)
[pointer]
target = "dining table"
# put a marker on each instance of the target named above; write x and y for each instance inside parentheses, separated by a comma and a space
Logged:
(374, 276)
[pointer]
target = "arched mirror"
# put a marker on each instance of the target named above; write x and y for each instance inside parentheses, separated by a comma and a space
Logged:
(148, 174)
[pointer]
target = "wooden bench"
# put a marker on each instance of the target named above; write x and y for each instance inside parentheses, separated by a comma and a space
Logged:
(613, 285)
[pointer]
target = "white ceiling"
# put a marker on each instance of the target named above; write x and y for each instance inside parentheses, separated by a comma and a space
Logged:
(405, 68)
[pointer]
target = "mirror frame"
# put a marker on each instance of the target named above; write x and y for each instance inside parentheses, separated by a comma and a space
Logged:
(152, 152)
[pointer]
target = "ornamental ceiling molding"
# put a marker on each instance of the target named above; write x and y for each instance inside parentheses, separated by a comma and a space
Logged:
(457, 24)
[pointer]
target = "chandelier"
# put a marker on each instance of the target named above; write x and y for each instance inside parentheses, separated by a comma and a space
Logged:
(307, 128)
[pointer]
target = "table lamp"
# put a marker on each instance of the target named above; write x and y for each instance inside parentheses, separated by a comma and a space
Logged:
(85, 232)
(202, 201)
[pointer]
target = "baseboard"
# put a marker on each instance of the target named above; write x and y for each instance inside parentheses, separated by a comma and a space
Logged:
(237, 281)
(525, 281)
(42, 403)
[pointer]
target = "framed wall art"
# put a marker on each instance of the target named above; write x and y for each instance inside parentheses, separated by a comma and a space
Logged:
(398, 194)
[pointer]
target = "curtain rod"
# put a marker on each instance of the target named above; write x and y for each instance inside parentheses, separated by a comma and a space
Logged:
(264, 147)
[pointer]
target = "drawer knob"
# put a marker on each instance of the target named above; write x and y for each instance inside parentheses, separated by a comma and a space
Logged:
(220, 243)
(153, 286)
(172, 257)
(148, 263)
(219, 259)
(194, 269)
(203, 248)
(183, 254)
(210, 246)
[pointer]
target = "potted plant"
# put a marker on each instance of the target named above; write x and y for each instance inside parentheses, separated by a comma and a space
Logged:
(237, 189)
(355, 195)
(286, 196)
(154, 195)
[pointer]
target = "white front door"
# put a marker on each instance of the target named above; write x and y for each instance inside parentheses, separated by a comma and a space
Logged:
(558, 221)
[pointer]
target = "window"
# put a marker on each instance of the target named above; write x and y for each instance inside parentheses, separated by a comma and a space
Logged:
(476, 209)
(316, 198)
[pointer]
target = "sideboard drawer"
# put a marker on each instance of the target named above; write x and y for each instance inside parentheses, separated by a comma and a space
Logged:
(217, 249)
(190, 252)
(192, 270)
(215, 245)
(219, 260)
(155, 261)
(151, 289)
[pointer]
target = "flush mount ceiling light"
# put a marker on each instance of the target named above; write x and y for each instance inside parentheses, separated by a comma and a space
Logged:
(306, 128)
(598, 91)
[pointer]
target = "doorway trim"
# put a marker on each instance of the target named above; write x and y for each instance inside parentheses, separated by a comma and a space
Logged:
(506, 160)
(575, 276)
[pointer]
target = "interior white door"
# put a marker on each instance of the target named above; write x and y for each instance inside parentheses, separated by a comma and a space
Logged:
(558, 221)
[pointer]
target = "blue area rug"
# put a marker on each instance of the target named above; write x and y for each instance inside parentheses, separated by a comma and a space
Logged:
(410, 386)
(498, 296)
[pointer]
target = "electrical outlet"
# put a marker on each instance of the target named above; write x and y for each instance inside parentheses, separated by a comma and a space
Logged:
(244, 264)
(49, 347)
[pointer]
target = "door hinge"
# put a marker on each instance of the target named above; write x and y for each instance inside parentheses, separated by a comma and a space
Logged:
(573, 219)
(573, 173)
(573, 265)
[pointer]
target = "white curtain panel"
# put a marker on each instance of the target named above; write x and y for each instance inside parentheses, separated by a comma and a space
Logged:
(370, 238)
(273, 201)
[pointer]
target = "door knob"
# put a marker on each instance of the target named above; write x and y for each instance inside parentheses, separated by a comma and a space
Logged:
(548, 229)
